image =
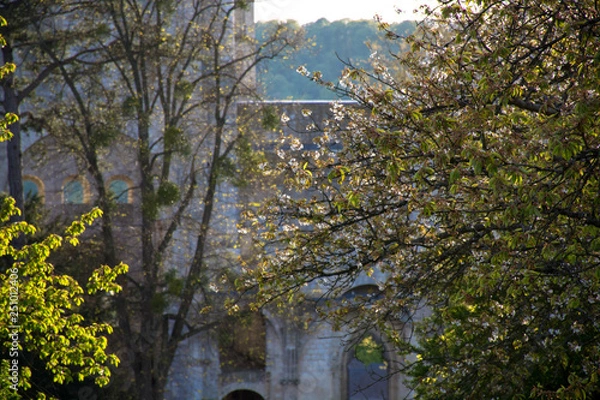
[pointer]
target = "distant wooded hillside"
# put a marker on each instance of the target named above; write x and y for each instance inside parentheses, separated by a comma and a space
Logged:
(327, 44)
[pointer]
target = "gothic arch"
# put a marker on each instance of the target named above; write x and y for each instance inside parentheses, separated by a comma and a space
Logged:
(366, 370)
(366, 361)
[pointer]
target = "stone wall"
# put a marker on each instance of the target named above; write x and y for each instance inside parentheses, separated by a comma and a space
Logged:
(302, 362)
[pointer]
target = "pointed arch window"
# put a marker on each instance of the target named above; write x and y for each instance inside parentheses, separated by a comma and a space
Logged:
(366, 364)
(367, 370)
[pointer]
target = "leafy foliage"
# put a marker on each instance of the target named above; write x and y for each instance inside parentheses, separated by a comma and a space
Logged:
(40, 307)
(467, 188)
(41, 310)
(5, 69)
(152, 88)
(368, 351)
(242, 342)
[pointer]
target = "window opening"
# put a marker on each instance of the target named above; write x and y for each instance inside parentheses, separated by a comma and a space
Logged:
(73, 192)
(367, 370)
(119, 190)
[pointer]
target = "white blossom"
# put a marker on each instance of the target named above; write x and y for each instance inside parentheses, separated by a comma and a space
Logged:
(302, 70)
(296, 144)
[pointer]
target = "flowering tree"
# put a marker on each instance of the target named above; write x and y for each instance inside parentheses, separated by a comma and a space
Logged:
(466, 184)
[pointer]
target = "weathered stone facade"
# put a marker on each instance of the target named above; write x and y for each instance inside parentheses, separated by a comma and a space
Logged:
(301, 362)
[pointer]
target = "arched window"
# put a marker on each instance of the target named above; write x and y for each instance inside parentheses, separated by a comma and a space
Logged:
(362, 293)
(74, 191)
(367, 370)
(32, 187)
(120, 191)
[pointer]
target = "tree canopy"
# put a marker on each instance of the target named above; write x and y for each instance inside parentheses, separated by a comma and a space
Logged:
(157, 82)
(465, 182)
(41, 312)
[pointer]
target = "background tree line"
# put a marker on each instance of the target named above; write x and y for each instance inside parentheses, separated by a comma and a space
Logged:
(327, 47)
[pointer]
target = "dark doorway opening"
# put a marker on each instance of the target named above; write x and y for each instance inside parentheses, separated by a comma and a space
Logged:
(243, 395)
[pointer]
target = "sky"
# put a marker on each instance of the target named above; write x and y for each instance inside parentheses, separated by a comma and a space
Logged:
(305, 11)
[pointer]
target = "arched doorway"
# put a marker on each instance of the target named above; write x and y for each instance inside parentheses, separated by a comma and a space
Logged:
(243, 395)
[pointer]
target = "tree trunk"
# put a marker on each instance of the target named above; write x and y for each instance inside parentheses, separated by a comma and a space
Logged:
(13, 147)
